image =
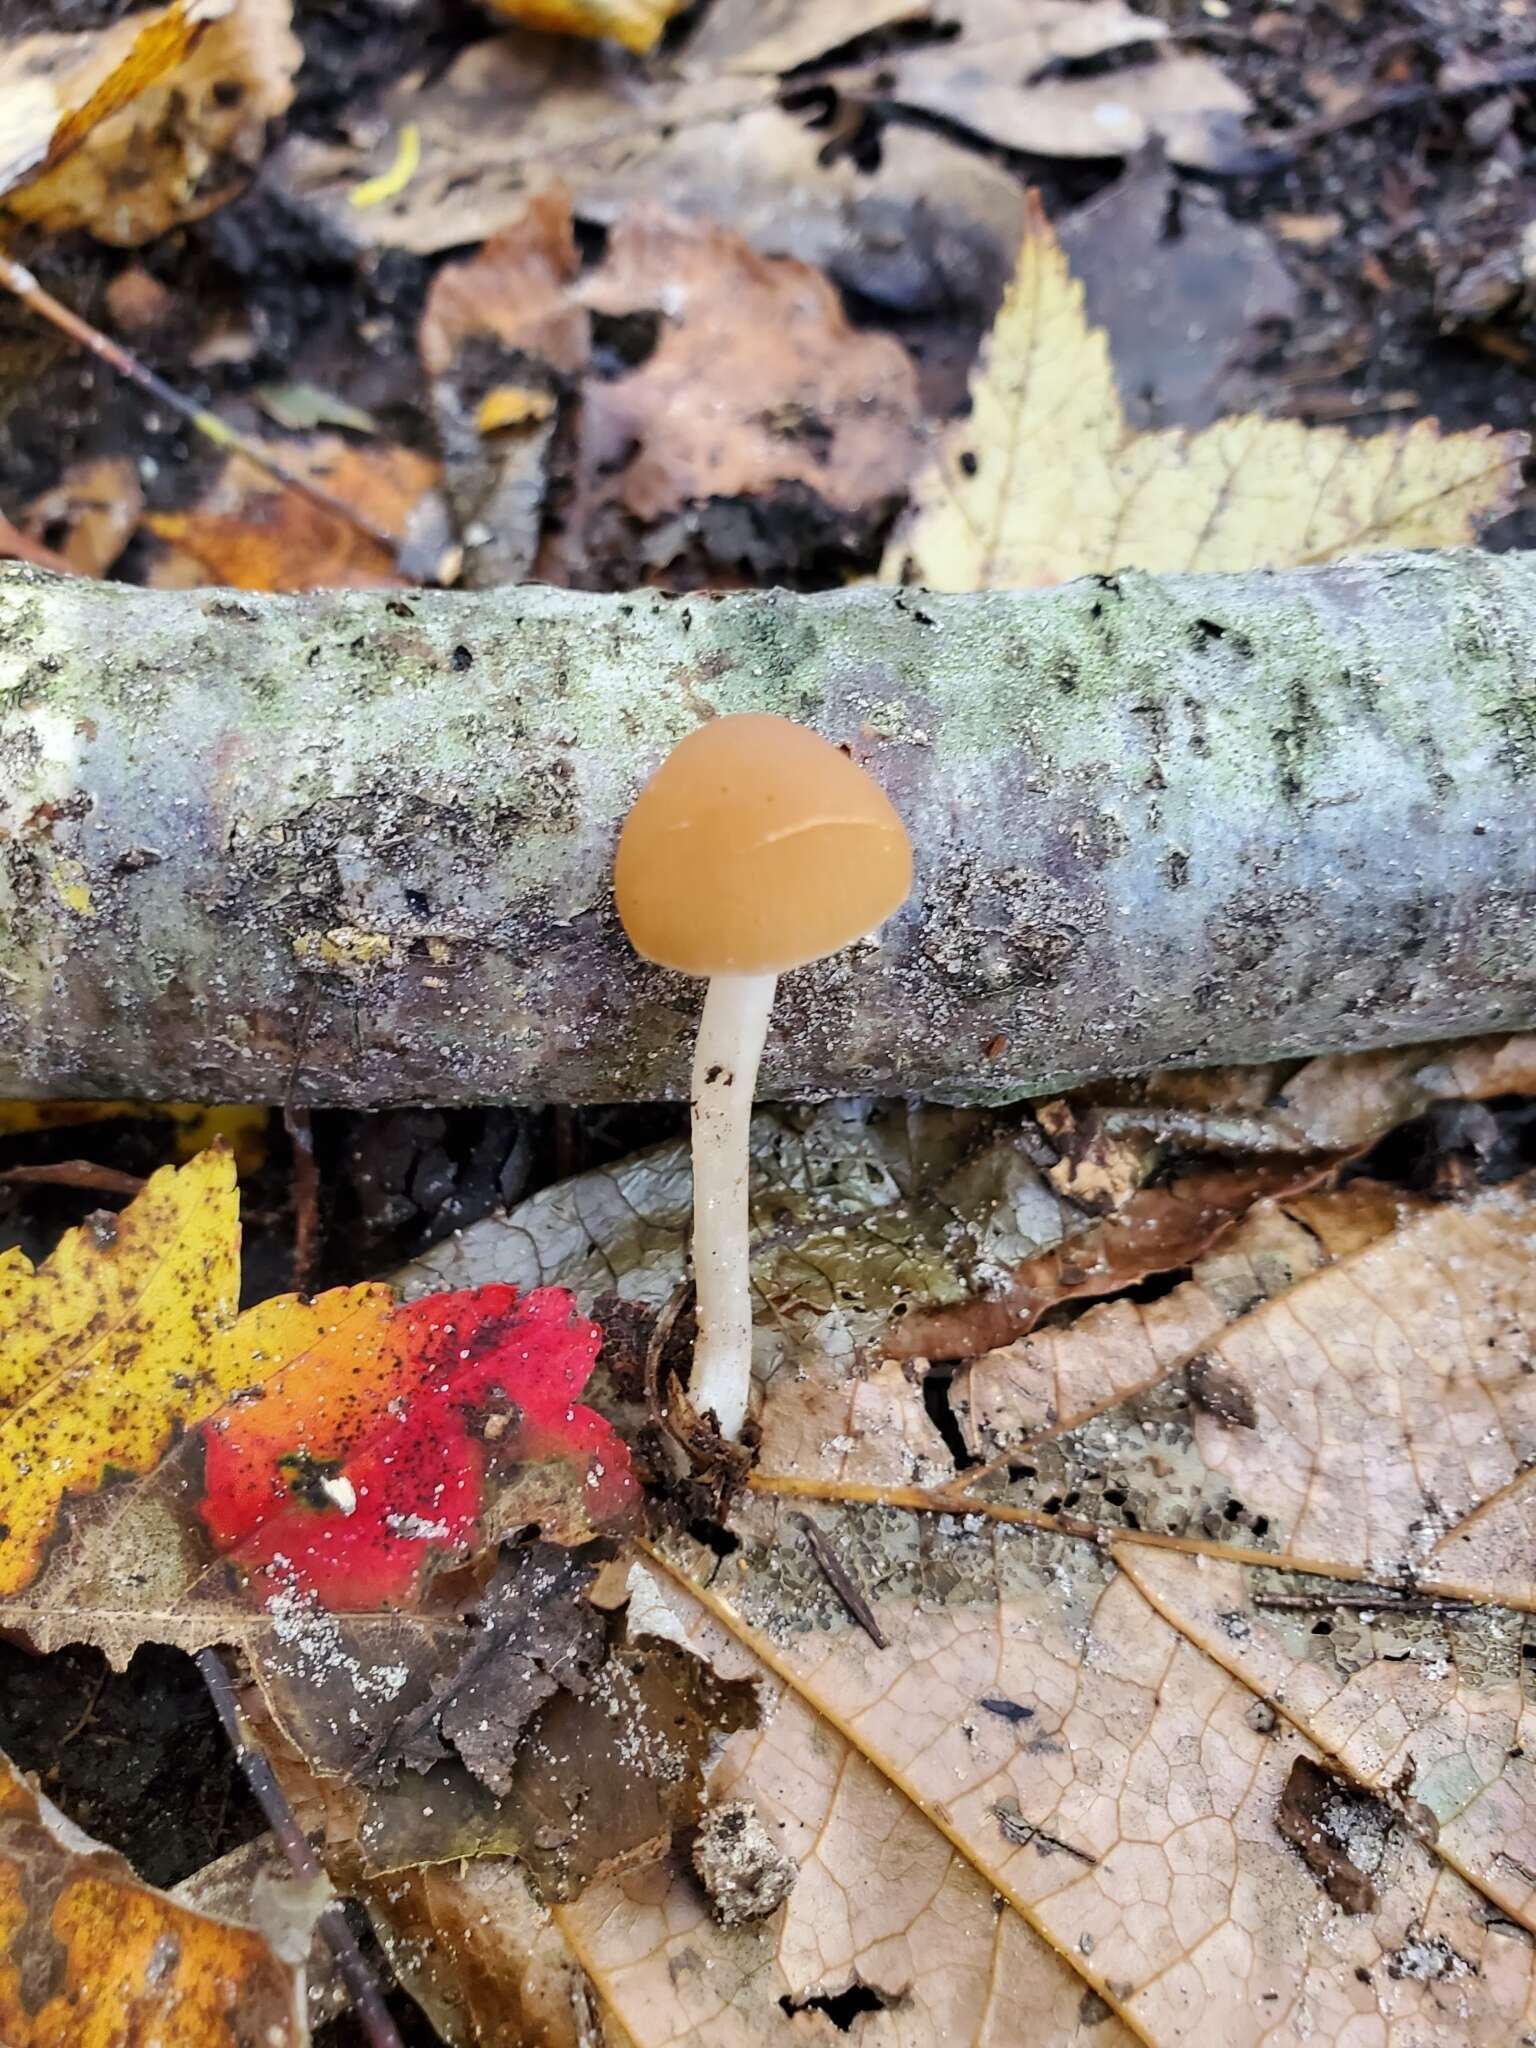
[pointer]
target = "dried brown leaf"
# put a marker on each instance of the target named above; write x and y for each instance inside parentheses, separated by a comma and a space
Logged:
(90, 515)
(757, 386)
(777, 35)
(1004, 76)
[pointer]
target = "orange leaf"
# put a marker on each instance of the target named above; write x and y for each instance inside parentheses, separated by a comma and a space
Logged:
(91, 1958)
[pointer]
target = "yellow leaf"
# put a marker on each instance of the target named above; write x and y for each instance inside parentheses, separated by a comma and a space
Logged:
(637, 24)
(108, 1348)
(511, 405)
(1044, 480)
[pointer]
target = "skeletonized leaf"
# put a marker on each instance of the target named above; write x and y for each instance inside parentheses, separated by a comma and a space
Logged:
(1044, 480)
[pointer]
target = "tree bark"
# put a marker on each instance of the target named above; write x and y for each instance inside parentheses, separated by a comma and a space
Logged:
(354, 847)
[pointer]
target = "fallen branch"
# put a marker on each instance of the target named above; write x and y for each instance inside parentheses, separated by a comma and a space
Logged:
(355, 847)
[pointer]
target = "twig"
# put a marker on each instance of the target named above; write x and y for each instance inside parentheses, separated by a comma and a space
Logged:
(1363, 1603)
(1024, 1833)
(17, 278)
(306, 1196)
(841, 1582)
(372, 2013)
(76, 1173)
(1367, 107)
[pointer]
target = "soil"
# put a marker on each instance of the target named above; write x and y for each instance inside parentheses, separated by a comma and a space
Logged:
(1397, 205)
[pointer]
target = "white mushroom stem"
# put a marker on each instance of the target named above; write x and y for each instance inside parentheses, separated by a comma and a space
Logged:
(731, 1034)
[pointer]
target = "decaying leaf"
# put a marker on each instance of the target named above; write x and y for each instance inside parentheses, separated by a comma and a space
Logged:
(931, 226)
(89, 1954)
(757, 388)
(1044, 481)
(1188, 297)
(140, 127)
(534, 1634)
(999, 73)
(252, 534)
(774, 36)
(1205, 1674)
(637, 24)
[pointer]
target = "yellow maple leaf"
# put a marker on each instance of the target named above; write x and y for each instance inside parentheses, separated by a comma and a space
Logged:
(109, 1347)
(1045, 480)
(637, 24)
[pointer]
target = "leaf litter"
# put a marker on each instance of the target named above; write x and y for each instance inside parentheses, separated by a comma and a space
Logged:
(1113, 1689)
(1137, 1556)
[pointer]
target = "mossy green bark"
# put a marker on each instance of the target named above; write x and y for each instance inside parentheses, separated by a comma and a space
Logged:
(355, 847)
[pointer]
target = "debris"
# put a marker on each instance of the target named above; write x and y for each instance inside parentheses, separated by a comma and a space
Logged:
(1324, 1816)
(745, 1873)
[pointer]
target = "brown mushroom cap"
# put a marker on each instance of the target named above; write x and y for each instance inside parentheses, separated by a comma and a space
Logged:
(755, 847)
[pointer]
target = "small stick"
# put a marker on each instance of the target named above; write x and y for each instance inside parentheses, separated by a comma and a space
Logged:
(372, 2013)
(76, 1173)
(17, 278)
(842, 1584)
(1364, 1603)
(306, 1196)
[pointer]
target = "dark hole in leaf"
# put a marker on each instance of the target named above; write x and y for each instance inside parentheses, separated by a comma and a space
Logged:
(714, 1536)
(937, 1384)
(842, 2008)
(1156, 1286)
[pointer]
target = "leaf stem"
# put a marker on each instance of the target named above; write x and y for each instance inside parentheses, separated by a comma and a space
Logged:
(17, 278)
(254, 1762)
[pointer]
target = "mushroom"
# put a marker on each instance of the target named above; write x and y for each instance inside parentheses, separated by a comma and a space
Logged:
(755, 847)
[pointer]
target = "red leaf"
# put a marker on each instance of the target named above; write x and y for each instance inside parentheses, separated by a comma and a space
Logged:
(370, 1456)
